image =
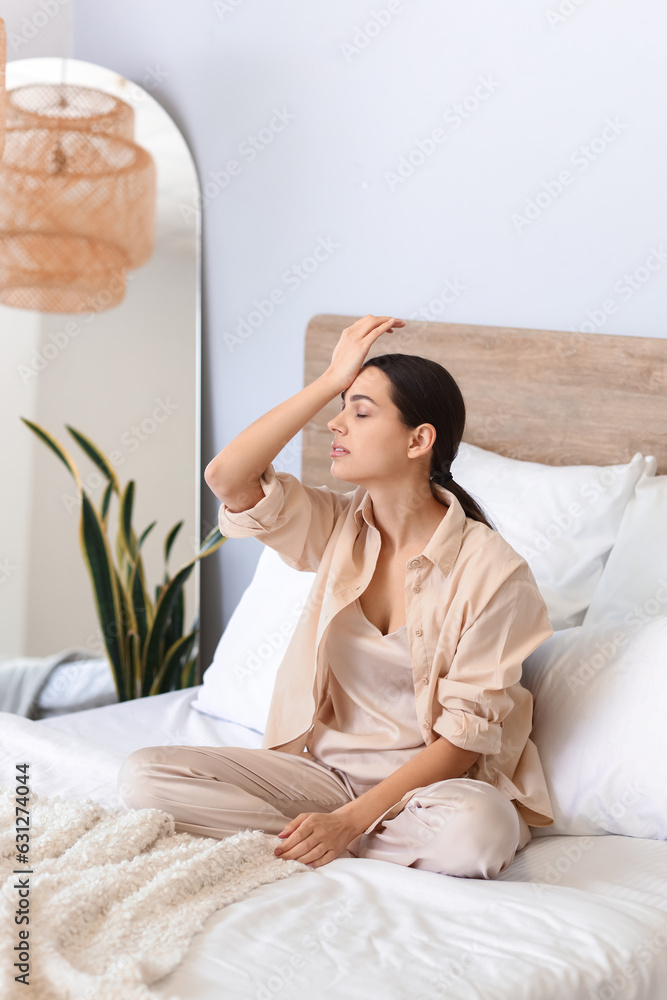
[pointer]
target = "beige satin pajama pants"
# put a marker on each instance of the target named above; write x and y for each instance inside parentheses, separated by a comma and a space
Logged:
(460, 826)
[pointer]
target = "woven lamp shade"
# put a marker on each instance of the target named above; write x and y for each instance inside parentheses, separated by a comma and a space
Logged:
(77, 210)
(3, 57)
(67, 105)
(68, 274)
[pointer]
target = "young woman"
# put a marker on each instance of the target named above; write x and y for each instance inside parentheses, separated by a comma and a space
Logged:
(398, 728)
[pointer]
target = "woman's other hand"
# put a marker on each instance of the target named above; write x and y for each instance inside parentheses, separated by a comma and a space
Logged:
(355, 342)
(316, 838)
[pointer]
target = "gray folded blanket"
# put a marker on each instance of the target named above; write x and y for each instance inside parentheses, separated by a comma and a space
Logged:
(23, 678)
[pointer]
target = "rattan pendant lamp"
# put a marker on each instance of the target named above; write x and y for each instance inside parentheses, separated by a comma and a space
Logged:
(77, 200)
(68, 105)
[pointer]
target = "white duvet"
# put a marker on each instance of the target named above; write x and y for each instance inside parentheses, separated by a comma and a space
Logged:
(573, 918)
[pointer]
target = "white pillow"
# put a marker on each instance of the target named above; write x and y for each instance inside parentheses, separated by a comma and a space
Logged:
(238, 684)
(600, 704)
(633, 586)
(562, 519)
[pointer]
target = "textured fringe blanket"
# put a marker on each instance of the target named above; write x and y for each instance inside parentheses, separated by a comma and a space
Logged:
(115, 897)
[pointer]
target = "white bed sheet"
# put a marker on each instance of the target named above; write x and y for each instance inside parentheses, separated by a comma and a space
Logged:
(572, 917)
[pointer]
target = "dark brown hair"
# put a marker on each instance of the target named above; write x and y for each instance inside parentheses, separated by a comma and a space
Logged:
(424, 392)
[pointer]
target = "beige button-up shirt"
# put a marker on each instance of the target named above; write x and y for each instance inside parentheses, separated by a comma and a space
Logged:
(473, 614)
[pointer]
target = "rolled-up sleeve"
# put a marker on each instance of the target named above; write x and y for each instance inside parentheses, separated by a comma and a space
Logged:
(295, 520)
(473, 697)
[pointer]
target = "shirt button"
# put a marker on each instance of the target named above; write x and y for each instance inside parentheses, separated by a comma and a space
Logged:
(424, 680)
(415, 590)
(418, 631)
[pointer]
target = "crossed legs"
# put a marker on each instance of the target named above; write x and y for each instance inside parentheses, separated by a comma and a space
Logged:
(460, 826)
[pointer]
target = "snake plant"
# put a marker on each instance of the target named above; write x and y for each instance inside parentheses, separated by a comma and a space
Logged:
(147, 651)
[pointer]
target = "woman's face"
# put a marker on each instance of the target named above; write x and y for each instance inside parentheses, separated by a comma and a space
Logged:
(371, 431)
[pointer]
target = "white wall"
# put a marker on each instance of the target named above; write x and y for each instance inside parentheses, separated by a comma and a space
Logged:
(581, 92)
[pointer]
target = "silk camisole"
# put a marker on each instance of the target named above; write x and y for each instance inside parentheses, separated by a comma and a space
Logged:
(367, 725)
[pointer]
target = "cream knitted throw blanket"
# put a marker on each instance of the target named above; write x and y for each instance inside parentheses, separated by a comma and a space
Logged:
(115, 897)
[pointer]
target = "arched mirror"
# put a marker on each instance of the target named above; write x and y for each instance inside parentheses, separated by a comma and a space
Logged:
(126, 377)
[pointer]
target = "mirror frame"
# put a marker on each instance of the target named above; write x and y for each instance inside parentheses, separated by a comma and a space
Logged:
(148, 113)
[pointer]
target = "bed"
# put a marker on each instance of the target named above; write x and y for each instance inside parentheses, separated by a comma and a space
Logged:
(566, 449)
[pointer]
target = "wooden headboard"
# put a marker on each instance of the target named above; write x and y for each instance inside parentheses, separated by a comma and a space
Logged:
(539, 395)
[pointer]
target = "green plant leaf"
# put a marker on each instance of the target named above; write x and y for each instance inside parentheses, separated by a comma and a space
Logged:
(188, 676)
(163, 609)
(174, 629)
(188, 662)
(106, 500)
(60, 451)
(166, 597)
(129, 622)
(134, 656)
(171, 667)
(169, 541)
(95, 549)
(94, 453)
(139, 605)
(121, 555)
(213, 541)
(144, 534)
(147, 601)
(125, 521)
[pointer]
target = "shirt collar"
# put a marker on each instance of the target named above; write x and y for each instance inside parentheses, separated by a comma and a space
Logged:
(443, 547)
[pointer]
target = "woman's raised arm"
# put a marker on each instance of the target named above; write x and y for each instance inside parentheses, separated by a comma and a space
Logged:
(233, 475)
